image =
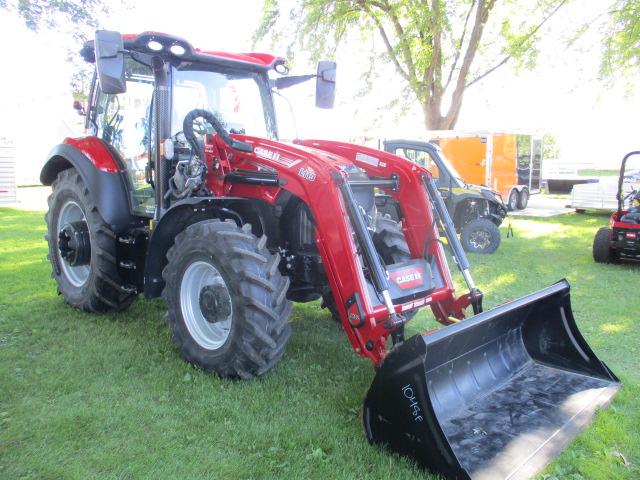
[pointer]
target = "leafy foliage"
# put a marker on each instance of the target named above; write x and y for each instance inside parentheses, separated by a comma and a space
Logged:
(621, 55)
(550, 147)
(77, 19)
(80, 16)
(438, 47)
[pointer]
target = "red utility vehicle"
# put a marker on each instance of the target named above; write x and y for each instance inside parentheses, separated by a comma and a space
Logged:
(182, 190)
(620, 241)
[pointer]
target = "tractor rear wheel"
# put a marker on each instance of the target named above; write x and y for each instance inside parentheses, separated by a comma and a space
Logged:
(82, 248)
(226, 300)
(602, 251)
(480, 236)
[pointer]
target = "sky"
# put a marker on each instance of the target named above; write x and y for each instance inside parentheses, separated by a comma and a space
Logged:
(560, 96)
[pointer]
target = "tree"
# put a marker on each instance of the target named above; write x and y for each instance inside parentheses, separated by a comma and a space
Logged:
(621, 41)
(438, 47)
(550, 147)
(78, 18)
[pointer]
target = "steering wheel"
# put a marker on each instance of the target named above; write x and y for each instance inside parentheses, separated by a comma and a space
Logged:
(190, 134)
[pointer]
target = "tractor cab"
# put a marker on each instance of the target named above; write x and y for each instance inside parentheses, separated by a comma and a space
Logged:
(139, 77)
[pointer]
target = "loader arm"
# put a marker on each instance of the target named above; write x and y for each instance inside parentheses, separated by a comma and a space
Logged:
(371, 307)
(423, 215)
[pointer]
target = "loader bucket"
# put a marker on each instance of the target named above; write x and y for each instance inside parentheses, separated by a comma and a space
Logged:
(493, 397)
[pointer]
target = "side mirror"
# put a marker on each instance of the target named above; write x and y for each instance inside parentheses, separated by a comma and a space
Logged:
(110, 62)
(326, 84)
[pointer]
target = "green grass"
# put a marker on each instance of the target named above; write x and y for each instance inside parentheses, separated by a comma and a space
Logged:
(108, 397)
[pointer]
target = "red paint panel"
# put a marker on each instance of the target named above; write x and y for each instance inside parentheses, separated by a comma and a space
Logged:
(95, 151)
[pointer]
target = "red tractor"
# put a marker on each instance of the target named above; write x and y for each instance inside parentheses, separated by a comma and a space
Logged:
(182, 190)
(620, 241)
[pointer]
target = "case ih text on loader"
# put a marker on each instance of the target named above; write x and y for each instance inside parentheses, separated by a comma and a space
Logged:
(182, 190)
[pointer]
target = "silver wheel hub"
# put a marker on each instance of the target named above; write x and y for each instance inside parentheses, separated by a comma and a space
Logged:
(74, 244)
(206, 305)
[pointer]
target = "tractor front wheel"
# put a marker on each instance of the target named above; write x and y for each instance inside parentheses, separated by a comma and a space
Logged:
(82, 248)
(602, 251)
(226, 300)
(480, 236)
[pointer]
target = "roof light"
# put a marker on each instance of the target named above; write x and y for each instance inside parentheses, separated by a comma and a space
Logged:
(280, 67)
(155, 46)
(178, 50)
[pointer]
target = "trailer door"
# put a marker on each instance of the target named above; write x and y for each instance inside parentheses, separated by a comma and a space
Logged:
(536, 166)
(523, 159)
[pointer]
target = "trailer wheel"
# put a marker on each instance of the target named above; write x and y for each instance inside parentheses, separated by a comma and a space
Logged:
(226, 300)
(82, 248)
(392, 247)
(523, 199)
(480, 236)
(602, 251)
(512, 201)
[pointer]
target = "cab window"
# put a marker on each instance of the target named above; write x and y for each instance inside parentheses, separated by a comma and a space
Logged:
(422, 158)
(123, 121)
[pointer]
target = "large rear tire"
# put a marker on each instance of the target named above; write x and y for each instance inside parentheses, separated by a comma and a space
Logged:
(480, 236)
(82, 248)
(226, 300)
(602, 251)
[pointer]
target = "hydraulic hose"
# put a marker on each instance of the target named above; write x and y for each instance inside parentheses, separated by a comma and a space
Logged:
(187, 128)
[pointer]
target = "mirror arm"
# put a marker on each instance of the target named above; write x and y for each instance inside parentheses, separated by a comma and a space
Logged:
(286, 82)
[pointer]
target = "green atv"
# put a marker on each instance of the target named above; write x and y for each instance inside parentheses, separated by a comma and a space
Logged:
(477, 211)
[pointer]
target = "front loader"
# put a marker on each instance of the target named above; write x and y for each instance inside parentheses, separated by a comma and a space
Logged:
(181, 189)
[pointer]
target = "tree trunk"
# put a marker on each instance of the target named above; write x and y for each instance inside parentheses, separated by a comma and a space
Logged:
(433, 119)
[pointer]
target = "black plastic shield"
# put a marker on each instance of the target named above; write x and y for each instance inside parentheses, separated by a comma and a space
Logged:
(493, 397)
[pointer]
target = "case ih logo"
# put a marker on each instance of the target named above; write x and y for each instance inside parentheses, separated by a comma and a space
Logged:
(407, 277)
(264, 153)
(275, 157)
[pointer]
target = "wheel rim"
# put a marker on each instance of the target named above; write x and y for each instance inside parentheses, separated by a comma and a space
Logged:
(480, 239)
(206, 305)
(72, 214)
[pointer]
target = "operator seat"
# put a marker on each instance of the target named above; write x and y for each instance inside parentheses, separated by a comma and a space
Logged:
(633, 215)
